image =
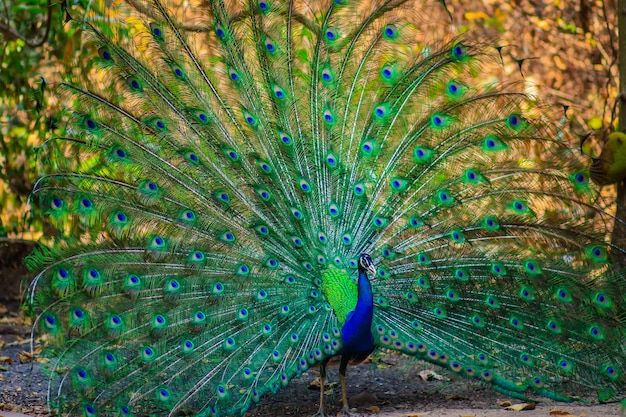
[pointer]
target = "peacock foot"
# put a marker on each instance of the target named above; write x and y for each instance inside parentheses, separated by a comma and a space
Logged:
(320, 413)
(346, 412)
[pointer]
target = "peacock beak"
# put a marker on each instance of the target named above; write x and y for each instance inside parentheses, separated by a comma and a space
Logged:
(371, 269)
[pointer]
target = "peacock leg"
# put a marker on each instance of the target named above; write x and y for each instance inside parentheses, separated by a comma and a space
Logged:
(345, 410)
(320, 412)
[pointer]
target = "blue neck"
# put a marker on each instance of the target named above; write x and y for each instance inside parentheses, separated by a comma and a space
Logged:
(357, 335)
(365, 304)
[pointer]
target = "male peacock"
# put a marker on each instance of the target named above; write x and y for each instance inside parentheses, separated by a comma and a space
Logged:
(268, 184)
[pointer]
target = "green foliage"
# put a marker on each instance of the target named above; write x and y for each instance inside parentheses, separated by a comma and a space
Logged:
(36, 45)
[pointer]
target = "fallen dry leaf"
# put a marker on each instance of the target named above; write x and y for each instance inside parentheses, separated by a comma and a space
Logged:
(43, 360)
(373, 409)
(6, 360)
(429, 375)
(25, 357)
(521, 407)
(316, 384)
(504, 403)
(565, 413)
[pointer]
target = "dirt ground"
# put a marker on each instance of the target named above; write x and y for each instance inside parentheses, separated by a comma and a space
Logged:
(388, 386)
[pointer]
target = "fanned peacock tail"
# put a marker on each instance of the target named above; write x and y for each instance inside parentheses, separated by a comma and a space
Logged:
(244, 154)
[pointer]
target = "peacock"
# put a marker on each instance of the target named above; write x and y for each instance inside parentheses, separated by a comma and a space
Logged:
(247, 189)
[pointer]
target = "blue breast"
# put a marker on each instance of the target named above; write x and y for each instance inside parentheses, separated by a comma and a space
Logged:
(357, 334)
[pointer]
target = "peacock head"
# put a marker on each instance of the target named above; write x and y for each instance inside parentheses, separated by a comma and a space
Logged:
(366, 264)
